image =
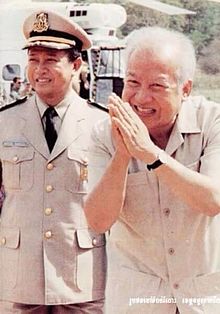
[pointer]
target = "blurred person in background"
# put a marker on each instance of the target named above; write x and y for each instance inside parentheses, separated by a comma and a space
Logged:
(26, 90)
(15, 89)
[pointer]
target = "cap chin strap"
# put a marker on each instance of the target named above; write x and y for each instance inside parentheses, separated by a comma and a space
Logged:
(56, 36)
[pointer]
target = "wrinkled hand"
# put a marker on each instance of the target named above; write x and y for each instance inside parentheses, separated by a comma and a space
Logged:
(116, 134)
(131, 130)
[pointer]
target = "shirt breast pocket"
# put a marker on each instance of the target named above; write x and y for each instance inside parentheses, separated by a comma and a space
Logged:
(17, 168)
(77, 171)
(140, 202)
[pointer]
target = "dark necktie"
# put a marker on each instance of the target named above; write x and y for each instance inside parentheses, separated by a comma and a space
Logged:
(50, 132)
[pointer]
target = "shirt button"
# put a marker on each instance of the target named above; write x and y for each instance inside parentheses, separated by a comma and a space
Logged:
(48, 211)
(15, 158)
(94, 241)
(49, 188)
(48, 234)
(176, 286)
(171, 251)
(166, 211)
(50, 166)
(3, 241)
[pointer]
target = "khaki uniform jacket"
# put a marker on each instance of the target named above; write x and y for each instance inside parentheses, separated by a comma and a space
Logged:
(47, 254)
(161, 252)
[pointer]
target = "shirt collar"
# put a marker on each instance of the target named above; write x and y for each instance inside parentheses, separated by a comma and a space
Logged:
(187, 120)
(61, 107)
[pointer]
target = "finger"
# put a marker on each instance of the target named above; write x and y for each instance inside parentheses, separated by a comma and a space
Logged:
(125, 133)
(117, 110)
(126, 109)
(117, 136)
(131, 128)
(110, 110)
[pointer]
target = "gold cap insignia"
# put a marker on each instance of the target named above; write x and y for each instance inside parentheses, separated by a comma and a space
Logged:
(41, 23)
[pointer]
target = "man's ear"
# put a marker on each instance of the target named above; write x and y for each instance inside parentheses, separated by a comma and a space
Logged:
(187, 88)
(77, 64)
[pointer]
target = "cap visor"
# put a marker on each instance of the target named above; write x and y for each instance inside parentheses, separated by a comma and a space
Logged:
(47, 44)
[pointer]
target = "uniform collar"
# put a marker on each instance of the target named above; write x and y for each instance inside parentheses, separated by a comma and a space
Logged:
(61, 107)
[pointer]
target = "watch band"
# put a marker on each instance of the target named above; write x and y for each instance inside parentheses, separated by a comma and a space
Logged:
(155, 165)
(161, 160)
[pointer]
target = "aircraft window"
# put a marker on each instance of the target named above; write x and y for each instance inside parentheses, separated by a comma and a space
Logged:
(111, 32)
(9, 71)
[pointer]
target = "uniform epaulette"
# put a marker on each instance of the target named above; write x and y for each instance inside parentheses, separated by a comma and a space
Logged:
(14, 103)
(97, 105)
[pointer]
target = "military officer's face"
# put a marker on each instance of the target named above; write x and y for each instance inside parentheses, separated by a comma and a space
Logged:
(50, 73)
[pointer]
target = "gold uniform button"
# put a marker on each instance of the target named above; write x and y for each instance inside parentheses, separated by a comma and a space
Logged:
(94, 241)
(49, 188)
(3, 241)
(48, 234)
(50, 166)
(15, 158)
(48, 211)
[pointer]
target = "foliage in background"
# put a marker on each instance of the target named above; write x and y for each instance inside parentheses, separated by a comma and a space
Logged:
(203, 28)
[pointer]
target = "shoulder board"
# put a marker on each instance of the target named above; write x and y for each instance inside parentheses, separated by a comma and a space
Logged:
(98, 105)
(13, 104)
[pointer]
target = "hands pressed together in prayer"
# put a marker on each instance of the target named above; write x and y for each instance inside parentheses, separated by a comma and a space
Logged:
(130, 134)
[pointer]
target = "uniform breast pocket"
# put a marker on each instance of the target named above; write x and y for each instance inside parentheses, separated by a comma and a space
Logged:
(77, 171)
(18, 168)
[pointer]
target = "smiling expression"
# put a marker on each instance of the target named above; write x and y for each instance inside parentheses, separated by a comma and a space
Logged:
(152, 89)
(50, 73)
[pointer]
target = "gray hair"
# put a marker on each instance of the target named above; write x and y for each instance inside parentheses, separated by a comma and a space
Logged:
(154, 39)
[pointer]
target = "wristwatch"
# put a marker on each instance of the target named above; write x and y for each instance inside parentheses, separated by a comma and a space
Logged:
(161, 160)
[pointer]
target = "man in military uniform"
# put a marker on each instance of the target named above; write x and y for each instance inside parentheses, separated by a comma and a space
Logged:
(51, 262)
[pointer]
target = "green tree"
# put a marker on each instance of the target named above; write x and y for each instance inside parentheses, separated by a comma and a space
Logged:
(202, 28)
(210, 59)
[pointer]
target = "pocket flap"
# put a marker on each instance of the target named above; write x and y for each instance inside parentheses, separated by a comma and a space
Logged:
(78, 155)
(17, 155)
(88, 239)
(9, 237)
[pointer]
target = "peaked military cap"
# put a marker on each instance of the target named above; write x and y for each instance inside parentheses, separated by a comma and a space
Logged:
(51, 30)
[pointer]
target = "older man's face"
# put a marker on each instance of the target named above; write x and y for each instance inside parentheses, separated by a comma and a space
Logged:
(151, 89)
(50, 73)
